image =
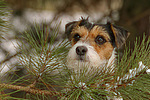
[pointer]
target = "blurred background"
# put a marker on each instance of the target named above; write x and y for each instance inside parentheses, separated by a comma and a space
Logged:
(133, 15)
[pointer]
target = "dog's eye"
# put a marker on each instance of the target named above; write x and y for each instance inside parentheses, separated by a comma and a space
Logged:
(100, 40)
(76, 37)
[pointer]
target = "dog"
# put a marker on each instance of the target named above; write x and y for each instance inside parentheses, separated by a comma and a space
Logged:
(93, 44)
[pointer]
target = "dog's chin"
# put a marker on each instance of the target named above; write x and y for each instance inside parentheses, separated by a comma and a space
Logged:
(82, 63)
(78, 63)
(82, 59)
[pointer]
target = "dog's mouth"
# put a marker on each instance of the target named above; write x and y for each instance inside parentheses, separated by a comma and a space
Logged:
(82, 58)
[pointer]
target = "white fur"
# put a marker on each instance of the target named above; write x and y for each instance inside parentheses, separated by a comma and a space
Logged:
(112, 59)
(91, 58)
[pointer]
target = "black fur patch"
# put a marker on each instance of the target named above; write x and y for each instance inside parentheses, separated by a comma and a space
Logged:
(86, 23)
(111, 34)
(69, 27)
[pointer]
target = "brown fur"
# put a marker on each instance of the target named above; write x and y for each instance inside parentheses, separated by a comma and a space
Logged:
(105, 50)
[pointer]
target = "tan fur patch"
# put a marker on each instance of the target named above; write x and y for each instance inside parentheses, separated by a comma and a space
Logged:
(105, 50)
(97, 30)
(82, 31)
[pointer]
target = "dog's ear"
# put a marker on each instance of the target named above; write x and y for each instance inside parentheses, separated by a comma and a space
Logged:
(120, 34)
(69, 27)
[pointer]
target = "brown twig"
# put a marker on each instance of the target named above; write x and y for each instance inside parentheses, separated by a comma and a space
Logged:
(27, 89)
(128, 82)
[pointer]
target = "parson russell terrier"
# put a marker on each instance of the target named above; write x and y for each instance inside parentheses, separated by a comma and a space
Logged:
(93, 44)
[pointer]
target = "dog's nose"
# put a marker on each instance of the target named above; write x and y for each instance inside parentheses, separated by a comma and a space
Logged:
(81, 50)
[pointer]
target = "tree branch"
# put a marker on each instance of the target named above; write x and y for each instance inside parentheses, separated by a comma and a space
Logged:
(28, 89)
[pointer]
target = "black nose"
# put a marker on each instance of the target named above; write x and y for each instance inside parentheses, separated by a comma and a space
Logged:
(81, 50)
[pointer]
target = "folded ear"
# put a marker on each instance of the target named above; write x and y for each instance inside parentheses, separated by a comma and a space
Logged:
(69, 27)
(120, 35)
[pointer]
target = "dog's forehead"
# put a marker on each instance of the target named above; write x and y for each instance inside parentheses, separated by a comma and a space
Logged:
(91, 31)
(99, 30)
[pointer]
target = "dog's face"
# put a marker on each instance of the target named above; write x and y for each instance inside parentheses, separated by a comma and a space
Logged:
(93, 44)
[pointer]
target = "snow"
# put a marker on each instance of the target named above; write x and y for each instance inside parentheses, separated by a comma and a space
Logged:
(148, 71)
(11, 46)
(4, 68)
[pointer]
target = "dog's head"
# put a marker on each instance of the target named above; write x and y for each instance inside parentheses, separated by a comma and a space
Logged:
(93, 44)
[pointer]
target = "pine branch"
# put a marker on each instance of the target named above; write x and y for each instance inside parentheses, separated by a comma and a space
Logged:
(4, 13)
(28, 89)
